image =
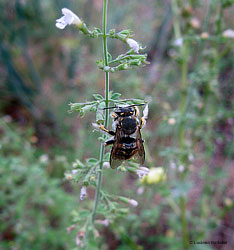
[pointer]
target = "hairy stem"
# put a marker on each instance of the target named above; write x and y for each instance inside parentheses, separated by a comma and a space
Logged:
(105, 52)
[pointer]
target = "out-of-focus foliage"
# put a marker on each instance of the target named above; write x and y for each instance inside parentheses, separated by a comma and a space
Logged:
(35, 209)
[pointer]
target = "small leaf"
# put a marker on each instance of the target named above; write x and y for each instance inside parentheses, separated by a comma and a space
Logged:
(78, 164)
(100, 64)
(101, 139)
(87, 108)
(84, 214)
(115, 96)
(99, 116)
(109, 57)
(138, 101)
(93, 109)
(107, 156)
(98, 97)
(92, 161)
(98, 30)
(102, 105)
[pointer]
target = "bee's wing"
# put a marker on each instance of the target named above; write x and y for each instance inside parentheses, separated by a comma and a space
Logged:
(140, 155)
(114, 161)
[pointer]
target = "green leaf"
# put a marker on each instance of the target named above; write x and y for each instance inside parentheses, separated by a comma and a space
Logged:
(100, 64)
(98, 30)
(78, 164)
(99, 116)
(87, 108)
(101, 139)
(107, 156)
(84, 214)
(115, 96)
(98, 97)
(109, 57)
(92, 161)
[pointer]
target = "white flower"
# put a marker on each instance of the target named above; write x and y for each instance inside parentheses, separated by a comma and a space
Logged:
(191, 157)
(228, 33)
(142, 171)
(83, 193)
(103, 222)
(178, 42)
(68, 19)
(106, 164)
(132, 202)
(79, 242)
(140, 190)
(133, 44)
(181, 168)
(172, 165)
(69, 229)
(171, 121)
(44, 158)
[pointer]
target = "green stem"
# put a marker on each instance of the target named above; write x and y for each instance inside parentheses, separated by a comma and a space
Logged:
(184, 93)
(101, 156)
(184, 223)
(184, 90)
(176, 23)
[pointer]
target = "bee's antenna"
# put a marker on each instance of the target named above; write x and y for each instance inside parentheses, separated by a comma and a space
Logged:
(110, 107)
(132, 105)
(137, 104)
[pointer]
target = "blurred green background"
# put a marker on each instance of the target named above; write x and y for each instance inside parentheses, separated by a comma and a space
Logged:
(43, 69)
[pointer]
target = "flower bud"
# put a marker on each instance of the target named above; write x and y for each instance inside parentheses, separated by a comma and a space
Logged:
(132, 202)
(204, 35)
(103, 222)
(181, 168)
(195, 23)
(69, 229)
(171, 121)
(83, 193)
(178, 42)
(228, 33)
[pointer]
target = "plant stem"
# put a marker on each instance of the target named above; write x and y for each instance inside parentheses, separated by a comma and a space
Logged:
(101, 156)
(184, 90)
(176, 23)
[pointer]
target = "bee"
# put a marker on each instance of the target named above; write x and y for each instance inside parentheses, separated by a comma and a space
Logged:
(126, 137)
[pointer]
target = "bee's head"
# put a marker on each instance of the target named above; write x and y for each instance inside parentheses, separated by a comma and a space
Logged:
(124, 111)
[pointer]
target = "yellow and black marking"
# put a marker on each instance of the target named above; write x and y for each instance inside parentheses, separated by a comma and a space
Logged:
(125, 145)
(106, 130)
(142, 122)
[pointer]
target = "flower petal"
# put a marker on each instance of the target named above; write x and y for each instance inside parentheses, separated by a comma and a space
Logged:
(61, 25)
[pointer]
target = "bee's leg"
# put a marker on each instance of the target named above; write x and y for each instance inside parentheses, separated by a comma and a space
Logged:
(145, 116)
(110, 132)
(136, 110)
(114, 115)
(109, 142)
(101, 127)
